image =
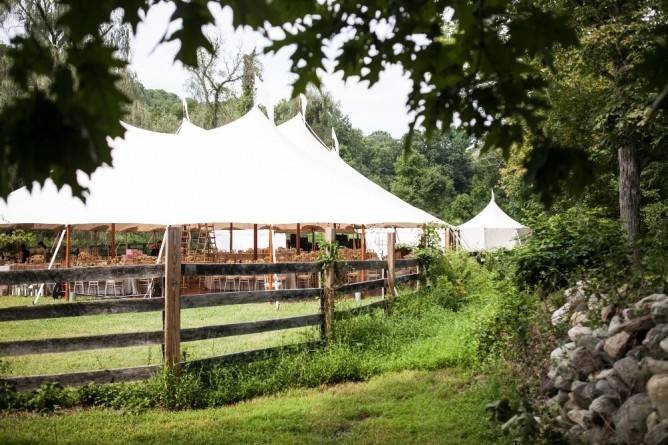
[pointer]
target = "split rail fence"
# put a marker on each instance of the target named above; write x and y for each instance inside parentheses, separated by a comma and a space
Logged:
(172, 303)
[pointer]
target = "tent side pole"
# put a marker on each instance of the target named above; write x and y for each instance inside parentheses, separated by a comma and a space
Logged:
(67, 259)
(231, 234)
(272, 256)
(255, 242)
(363, 253)
(51, 262)
(299, 241)
(112, 254)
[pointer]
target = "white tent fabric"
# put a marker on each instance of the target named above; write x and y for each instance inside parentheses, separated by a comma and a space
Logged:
(244, 172)
(491, 229)
(368, 191)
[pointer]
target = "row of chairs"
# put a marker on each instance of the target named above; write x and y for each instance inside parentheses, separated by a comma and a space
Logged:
(231, 283)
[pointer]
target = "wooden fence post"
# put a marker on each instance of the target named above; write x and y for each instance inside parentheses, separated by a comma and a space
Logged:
(327, 300)
(391, 291)
(172, 314)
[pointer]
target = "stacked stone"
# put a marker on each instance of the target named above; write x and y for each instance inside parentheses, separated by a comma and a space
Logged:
(610, 384)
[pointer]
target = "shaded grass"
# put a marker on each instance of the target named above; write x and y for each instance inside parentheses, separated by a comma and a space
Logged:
(410, 407)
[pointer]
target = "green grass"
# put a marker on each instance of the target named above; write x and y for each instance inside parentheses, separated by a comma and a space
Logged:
(145, 321)
(409, 407)
(405, 396)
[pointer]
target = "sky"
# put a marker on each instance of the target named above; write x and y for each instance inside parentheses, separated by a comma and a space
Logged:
(382, 107)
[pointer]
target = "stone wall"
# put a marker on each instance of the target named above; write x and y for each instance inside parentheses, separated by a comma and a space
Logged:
(609, 384)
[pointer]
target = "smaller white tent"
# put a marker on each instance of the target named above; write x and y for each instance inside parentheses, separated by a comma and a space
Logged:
(491, 229)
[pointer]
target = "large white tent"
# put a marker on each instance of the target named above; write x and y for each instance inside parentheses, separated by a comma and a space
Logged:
(246, 172)
(491, 229)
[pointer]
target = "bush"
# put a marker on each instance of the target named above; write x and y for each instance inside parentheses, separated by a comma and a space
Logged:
(459, 278)
(566, 245)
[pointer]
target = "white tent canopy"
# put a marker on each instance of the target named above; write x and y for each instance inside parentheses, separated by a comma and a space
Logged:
(368, 191)
(492, 228)
(246, 172)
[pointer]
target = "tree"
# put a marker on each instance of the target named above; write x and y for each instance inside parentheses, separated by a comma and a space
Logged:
(599, 103)
(213, 77)
(422, 184)
(252, 68)
(485, 67)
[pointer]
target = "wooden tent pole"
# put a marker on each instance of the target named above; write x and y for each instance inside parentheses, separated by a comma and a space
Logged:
(363, 254)
(255, 242)
(271, 255)
(231, 229)
(113, 241)
(299, 241)
(67, 258)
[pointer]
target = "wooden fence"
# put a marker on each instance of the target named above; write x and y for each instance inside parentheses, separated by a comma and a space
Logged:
(172, 303)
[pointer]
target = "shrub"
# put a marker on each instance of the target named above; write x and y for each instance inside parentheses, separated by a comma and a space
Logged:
(567, 244)
(460, 277)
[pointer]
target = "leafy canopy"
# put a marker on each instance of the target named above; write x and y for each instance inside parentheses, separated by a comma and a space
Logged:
(483, 65)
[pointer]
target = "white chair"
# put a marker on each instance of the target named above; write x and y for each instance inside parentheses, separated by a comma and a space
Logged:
(78, 287)
(115, 286)
(245, 280)
(230, 284)
(93, 288)
(217, 283)
(260, 282)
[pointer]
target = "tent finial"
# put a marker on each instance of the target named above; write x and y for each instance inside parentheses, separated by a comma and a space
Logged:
(335, 141)
(492, 193)
(185, 110)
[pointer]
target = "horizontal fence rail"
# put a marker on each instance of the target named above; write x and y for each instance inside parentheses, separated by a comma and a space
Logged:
(343, 266)
(248, 268)
(407, 278)
(51, 345)
(406, 262)
(145, 372)
(120, 306)
(361, 286)
(81, 274)
(99, 273)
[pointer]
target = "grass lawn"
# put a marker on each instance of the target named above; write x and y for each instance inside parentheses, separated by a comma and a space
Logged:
(145, 321)
(409, 407)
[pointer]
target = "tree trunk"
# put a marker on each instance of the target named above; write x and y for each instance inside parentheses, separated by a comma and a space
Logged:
(629, 195)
